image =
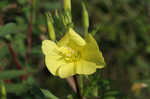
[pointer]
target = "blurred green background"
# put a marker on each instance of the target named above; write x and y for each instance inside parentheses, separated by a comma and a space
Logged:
(121, 28)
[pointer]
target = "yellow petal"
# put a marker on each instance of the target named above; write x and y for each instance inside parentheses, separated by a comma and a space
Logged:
(75, 37)
(85, 67)
(66, 70)
(64, 40)
(91, 52)
(53, 62)
(48, 47)
(71, 38)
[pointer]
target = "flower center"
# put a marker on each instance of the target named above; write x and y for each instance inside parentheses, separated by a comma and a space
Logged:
(69, 54)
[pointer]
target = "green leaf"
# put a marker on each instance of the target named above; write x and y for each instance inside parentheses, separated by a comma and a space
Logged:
(50, 6)
(17, 88)
(69, 96)
(8, 29)
(48, 94)
(110, 97)
(3, 4)
(9, 74)
(113, 93)
(22, 1)
(147, 49)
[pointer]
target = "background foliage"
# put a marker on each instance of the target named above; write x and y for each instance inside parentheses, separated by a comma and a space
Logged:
(123, 34)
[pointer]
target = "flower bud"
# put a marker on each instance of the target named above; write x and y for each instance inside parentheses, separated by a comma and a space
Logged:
(3, 90)
(51, 29)
(67, 5)
(85, 18)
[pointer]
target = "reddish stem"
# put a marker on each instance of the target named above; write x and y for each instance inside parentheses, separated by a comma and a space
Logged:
(72, 84)
(77, 87)
(8, 81)
(29, 37)
(14, 55)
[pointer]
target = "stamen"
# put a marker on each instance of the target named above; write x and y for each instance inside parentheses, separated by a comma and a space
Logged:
(69, 54)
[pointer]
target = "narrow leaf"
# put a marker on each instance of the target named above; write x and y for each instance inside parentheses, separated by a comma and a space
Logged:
(48, 94)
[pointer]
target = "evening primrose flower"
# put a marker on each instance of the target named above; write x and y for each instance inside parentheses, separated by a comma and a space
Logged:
(72, 55)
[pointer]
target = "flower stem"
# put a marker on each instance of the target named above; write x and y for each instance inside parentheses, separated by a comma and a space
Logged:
(77, 87)
(14, 55)
(16, 61)
(29, 37)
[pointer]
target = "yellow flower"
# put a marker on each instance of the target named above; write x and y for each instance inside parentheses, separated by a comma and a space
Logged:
(72, 55)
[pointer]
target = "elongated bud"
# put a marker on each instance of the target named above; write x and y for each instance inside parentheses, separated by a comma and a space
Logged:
(56, 14)
(67, 5)
(33, 4)
(85, 17)
(51, 29)
(3, 91)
